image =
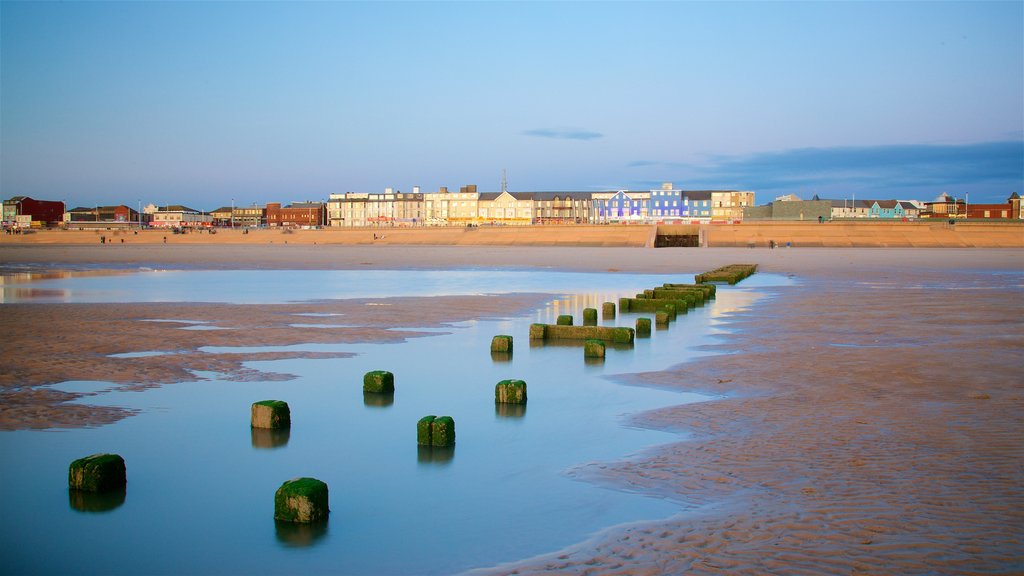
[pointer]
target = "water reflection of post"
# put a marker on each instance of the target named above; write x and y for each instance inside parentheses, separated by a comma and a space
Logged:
(505, 410)
(85, 501)
(428, 455)
(270, 437)
(299, 535)
(501, 356)
(378, 400)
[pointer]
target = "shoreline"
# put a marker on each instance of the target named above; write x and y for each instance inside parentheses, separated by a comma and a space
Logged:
(844, 440)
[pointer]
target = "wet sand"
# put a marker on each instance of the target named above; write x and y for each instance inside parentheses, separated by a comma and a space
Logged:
(870, 422)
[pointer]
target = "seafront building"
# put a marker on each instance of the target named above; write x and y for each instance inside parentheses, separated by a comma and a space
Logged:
(469, 207)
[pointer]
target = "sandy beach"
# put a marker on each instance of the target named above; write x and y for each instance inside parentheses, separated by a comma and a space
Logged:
(870, 421)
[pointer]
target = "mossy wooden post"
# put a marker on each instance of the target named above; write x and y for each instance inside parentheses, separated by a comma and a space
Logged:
(302, 500)
(379, 382)
(643, 327)
(97, 473)
(442, 431)
(661, 318)
(564, 320)
(593, 349)
(423, 430)
(537, 331)
(671, 310)
(272, 414)
(590, 316)
(624, 304)
(608, 310)
(510, 392)
(501, 343)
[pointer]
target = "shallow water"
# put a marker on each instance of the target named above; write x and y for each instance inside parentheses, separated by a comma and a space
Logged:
(201, 482)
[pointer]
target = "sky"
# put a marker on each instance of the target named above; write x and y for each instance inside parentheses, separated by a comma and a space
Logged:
(209, 103)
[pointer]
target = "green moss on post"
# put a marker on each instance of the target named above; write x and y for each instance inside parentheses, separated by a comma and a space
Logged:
(272, 414)
(442, 431)
(379, 382)
(593, 349)
(510, 392)
(537, 331)
(661, 318)
(643, 327)
(501, 343)
(624, 304)
(608, 310)
(97, 473)
(564, 320)
(590, 316)
(423, 430)
(302, 500)
(671, 310)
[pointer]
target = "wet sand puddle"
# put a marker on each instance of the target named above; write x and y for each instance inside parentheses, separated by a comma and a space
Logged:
(201, 482)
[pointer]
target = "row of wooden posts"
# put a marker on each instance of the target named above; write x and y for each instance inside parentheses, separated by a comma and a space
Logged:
(305, 500)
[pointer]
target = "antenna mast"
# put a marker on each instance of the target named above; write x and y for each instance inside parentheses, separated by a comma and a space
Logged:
(504, 181)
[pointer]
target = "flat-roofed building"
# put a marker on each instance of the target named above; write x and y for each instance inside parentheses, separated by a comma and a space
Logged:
(561, 207)
(296, 214)
(178, 216)
(444, 208)
(728, 205)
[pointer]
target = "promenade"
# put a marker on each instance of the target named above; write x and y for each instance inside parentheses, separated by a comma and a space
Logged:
(865, 234)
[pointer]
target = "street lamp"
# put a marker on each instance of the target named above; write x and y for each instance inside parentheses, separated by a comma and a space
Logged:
(232, 213)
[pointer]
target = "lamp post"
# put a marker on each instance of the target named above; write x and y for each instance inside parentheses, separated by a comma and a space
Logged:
(232, 213)
(139, 213)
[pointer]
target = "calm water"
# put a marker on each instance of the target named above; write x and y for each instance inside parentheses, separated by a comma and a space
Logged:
(201, 483)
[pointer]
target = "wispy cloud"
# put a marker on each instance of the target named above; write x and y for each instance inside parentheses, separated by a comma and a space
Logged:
(564, 133)
(995, 168)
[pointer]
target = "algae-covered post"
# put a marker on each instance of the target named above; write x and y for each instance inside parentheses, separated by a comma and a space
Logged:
(435, 431)
(608, 310)
(97, 473)
(273, 414)
(593, 349)
(661, 318)
(501, 343)
(301, 500)
(423, 430)
(564, 320)
(510, 392)
(730, 274)
(643, 327)
(590, 316)
(538, 331)
(624, 304)
(379, 382)
(442, 431)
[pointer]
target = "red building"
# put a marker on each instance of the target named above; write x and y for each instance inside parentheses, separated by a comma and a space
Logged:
(38, 212)
(1010, 210)
(300, 214)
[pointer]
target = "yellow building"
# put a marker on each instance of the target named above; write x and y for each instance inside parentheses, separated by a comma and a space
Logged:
(728, 205)
(513, 208)
(444, 208)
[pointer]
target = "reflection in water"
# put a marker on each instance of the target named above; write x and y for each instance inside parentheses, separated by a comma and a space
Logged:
(593, 361)
(435, 454)
(270, 437)
(298, 535)
(565, 343)
(503, 410)
(379, 400)
(501, 356)
(85, 501)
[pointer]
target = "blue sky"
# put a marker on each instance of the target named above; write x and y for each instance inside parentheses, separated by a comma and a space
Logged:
(200, 103)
